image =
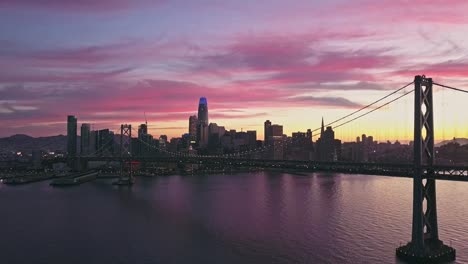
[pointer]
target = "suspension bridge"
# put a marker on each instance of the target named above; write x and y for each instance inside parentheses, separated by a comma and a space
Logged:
(424, 246)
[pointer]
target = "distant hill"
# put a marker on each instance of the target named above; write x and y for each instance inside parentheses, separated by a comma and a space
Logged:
(27, 143)
(461, 141)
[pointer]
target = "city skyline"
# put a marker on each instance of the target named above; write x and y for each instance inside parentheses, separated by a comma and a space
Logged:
(197, 126)
(234, 131)
(202, 108)
(113, 61)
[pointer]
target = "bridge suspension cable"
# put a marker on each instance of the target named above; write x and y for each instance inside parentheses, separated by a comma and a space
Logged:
(227, 155)
(364, 107)
(450, 87)
(368, 112)
(183, 154)
(375, 109)
(101, 148)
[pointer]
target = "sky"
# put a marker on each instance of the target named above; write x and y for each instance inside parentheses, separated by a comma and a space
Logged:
(292, 62)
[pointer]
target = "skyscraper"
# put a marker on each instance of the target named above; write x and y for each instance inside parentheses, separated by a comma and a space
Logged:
(202, 134)
(252, 138)
(213, 137)
(105, 142)
(93, 141)
(309, 135)
(266, 131)
(85, 139)
(202, 124)
(203, 111)
(71, 135)
(276, 131)
(193, 120)
(322, 129)
(142, 130)
(328, 148)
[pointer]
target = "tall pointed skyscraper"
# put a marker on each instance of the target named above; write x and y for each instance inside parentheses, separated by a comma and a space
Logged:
(202, 125)
(322, 129)
(203, 111)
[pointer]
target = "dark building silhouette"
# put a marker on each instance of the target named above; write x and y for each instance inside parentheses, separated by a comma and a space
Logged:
(328, 148)
(85, 139)
(266, 131)
(213, 128)
(271, 131)
(142, 130)
(105, 142)
(301, 147)
(276, 130)
(202, 134)
(364, 150)
(202, 125)
(72, 124)
(252, 138)
(146, 141)
(215, 133)
(193, 121)
(274, 138)
(142, 147)
(277, 147)
(309, 135)
(162, 142)
(322, 128)
(240, 141)
(135, 146)
(93, 141)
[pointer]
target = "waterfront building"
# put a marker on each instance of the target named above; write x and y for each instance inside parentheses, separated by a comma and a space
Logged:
(72, 123)
(85, 139)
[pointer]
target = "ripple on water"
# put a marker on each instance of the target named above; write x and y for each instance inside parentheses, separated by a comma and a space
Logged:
(244, 218)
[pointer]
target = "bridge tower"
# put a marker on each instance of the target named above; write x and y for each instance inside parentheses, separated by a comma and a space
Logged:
(425, 246)
(125, 141)
(125, 155)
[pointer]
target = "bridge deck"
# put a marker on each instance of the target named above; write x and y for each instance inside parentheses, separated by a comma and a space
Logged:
(441, 172)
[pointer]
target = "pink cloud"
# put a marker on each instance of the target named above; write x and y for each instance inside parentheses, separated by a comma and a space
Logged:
(270, 52)
(73, 80)
(135, 52)
(283, 61)
(80, 6)
(67, 76)
(414, 11)
(163, 100)
(449, 69)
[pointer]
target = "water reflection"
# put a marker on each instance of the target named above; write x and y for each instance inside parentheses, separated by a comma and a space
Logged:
(243, 218)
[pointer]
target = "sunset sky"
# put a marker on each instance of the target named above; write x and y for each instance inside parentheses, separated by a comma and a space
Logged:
(291, 62)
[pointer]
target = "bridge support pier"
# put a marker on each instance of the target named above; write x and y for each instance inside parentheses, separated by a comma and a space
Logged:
(425, 246)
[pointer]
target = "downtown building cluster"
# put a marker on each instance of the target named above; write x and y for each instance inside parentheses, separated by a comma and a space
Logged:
(205, 138)
(91, 142)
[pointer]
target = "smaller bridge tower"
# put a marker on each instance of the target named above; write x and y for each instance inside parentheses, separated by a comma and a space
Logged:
(125, 156)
